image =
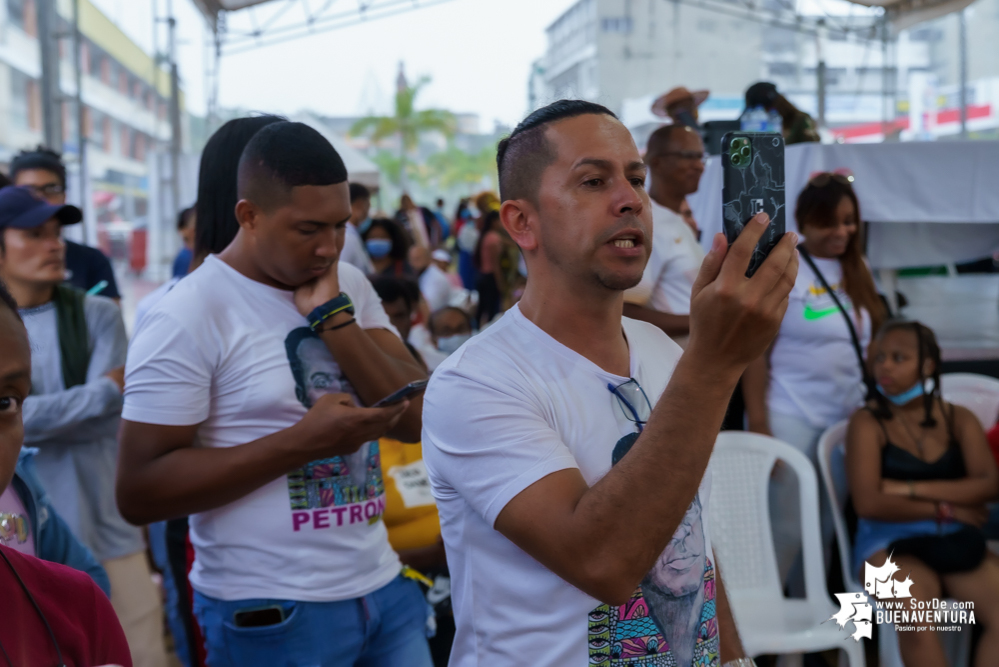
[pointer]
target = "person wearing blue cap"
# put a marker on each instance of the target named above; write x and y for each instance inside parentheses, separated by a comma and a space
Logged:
(43, 171)
(78, 347)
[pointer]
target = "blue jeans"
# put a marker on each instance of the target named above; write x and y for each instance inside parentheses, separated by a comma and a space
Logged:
(384, 629)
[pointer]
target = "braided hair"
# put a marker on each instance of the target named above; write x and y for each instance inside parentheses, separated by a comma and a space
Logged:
(928, 348)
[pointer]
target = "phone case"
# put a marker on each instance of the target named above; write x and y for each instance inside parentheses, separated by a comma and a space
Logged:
(753, 183)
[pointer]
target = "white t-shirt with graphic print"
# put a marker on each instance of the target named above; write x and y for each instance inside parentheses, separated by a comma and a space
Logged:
(235, 356)
(814, 371)
(512, 406)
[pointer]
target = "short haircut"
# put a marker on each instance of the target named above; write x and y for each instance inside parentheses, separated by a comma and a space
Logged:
(358, 192)
(660, 140)
(40, 158)
(431, 323)
(184, 217)
(390, 289)
(283, 156)
(217, 224)
(522, 158)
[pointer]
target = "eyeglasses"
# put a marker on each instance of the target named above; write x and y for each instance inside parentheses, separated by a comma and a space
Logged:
(47, 190)
(820, 179)
(688, 155)
(633, 401)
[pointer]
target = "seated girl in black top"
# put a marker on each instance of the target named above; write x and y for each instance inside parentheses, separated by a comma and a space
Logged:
(920, 474)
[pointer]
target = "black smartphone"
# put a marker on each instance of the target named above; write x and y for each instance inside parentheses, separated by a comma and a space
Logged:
(753, 175)
(258, 617)
(402, 394)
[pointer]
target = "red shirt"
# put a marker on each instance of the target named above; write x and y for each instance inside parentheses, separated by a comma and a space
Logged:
(993, 436)
(82, 619)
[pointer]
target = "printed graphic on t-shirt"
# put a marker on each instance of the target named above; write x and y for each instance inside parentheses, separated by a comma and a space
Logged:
(342, 490)
(671, 618)
(819, 303)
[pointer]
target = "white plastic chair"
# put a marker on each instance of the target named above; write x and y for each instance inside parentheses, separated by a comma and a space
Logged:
(741, 535)
(978, 393)
(832, 456)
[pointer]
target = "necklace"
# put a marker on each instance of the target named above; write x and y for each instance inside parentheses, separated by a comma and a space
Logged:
(919, 441)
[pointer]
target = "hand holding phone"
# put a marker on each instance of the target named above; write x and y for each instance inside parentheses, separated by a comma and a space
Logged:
(753, 173)
(398, 396)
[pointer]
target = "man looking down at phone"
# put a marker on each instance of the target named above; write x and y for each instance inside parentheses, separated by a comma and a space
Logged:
(675, 160)
(574, 513)
(263, 357)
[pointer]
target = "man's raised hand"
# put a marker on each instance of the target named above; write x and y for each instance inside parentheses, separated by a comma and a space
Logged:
(734, 318)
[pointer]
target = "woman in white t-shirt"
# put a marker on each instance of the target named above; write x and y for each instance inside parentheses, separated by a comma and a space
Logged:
(812, 376)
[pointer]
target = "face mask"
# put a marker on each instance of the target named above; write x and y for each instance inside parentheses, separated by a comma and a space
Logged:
(378, 248)
(906, 396)
(451, 344)
(364, 226)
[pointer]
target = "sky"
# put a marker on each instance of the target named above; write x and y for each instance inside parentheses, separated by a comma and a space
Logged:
(478, 53)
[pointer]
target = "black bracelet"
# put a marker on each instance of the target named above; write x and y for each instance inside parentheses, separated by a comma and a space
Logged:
(339, 326)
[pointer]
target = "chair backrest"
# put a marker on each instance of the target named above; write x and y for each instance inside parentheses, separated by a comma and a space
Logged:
(978, 393)
(832, 458)
(740, 518)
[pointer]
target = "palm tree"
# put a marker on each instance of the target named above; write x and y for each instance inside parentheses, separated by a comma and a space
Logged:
(407, 124)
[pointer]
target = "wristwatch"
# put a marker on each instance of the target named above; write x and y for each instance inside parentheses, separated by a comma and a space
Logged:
(740, 662)
(340, 304)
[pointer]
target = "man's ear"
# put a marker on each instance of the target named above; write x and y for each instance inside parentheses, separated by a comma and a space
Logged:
(247, 213)
(520, 219)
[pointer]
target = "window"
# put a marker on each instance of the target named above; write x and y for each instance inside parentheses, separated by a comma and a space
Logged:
(622, 24)
(781, 69)
(97, 129)
(925, 35)
(20, 100)
(17, 13)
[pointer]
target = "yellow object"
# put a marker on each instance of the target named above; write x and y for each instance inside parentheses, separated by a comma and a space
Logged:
(417, 525)
(410, 573)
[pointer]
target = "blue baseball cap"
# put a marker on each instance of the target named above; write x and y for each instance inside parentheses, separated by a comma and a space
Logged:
(21, 209)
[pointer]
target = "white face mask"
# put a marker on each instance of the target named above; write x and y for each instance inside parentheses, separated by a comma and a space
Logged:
(450, 344)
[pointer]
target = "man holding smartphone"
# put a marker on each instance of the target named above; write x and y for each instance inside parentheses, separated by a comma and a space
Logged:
(243, 389)
(573, 486)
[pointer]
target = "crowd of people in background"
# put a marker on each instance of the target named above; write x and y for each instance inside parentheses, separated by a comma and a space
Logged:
(299, 296)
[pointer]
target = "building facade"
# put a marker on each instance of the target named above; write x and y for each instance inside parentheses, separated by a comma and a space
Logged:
(125, 116)
(625, 53)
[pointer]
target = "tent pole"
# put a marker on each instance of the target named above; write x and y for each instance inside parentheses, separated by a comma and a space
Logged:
(963, 56)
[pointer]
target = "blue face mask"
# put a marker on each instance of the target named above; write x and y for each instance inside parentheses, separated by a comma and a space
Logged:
(378, 248)
(450, 344)
(364, 226)
(906, 396)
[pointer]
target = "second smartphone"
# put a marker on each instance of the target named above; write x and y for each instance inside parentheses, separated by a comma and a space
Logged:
(753, 176)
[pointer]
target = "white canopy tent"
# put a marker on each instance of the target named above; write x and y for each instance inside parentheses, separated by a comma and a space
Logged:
(925, 203)
(904, 14)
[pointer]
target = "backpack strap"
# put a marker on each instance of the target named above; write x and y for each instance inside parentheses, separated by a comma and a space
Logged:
(74, 337)
(869, 381)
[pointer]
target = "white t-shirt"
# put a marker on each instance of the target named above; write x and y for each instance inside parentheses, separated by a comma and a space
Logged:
(354, 252)
(507, 409)
(673, 265)
(814, 371)
(435, 287)
(235, 356)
